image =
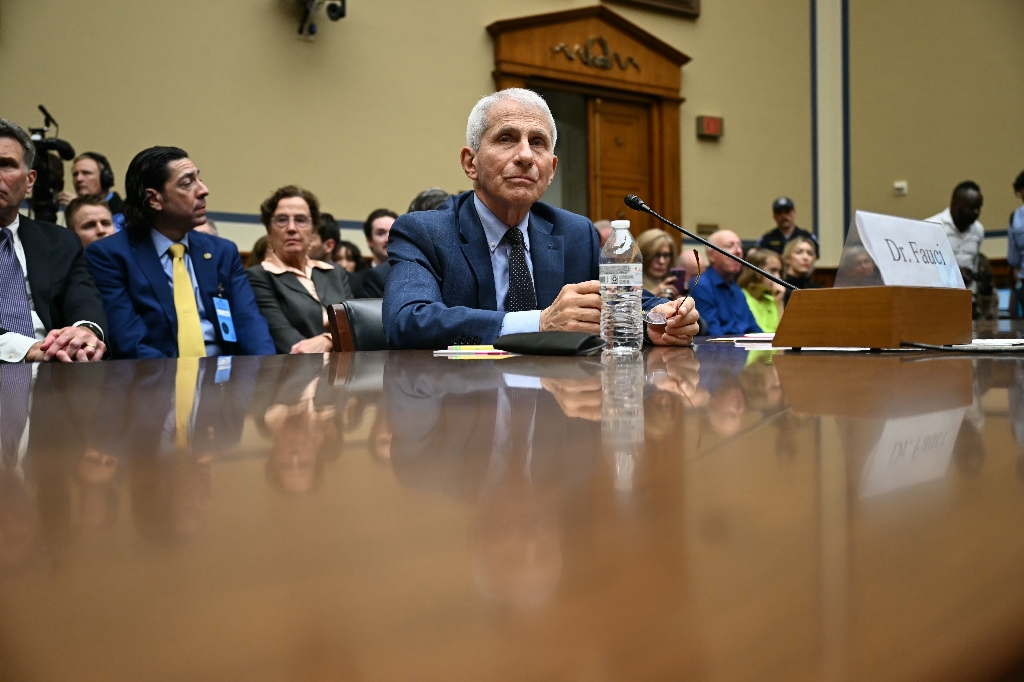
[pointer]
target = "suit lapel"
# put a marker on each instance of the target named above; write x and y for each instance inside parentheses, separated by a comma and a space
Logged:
(289, 280)
(548, 255)
(37, 261)
(325, 289)
(149, 262)
(476, 252)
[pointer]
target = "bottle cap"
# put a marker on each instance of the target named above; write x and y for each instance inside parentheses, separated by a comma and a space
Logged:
(620, 224)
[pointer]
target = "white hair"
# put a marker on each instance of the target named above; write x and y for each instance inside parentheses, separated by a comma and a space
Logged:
(478, 118)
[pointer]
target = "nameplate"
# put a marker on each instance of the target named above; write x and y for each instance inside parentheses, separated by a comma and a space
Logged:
(908, 252)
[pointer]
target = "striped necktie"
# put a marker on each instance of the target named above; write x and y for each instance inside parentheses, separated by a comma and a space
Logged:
(15, 313)
(190, 332)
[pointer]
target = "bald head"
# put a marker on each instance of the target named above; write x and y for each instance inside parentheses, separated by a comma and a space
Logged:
(729, 241)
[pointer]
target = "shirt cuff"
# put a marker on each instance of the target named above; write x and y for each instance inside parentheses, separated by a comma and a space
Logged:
(91, 326)
(521, 322)
(14, 347)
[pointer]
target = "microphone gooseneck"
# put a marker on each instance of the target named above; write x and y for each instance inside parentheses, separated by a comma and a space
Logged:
(637, 204)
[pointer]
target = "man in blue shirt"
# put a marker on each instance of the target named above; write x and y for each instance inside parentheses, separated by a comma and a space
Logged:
(720, 300)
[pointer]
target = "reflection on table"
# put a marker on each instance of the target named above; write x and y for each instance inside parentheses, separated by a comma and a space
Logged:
(720, 514)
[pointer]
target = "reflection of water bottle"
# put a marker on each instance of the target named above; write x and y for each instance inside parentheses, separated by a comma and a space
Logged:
(622, 283)
(622, 413)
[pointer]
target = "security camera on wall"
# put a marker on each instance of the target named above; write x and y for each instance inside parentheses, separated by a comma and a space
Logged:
(334, 9)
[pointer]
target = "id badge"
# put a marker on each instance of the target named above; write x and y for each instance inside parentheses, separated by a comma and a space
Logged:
(224, 321)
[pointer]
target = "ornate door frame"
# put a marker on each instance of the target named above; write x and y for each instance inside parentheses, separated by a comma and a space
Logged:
(598, 53)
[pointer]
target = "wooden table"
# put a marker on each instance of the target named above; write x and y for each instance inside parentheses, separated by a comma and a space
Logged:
(718, 515)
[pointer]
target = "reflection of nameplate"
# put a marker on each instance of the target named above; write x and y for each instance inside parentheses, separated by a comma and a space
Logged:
(906, 252)
(911, 450)
(874, 387)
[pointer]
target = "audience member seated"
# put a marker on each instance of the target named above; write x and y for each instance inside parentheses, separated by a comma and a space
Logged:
(349, 257)
(259, 252)
(49, 306)
(659, 252)
(376, 228)
(428, 200)
(325, 239)
(604, 230)
(798, 264)
(721, 302)
(89, 218)
(764, 297)
(91, 174)
(209, 227)
(1015, 243)
(495, 260)
(292, 289)
(786, 230)
(373, 282)
(965, 233)
(170, 291)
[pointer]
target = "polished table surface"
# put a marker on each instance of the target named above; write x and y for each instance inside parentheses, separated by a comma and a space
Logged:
(717, 514)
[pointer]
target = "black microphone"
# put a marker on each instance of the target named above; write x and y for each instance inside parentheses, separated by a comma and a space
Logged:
(49, 119)
(62, 147)
(637, 204)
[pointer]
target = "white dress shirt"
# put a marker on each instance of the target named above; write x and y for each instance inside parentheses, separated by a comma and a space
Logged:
(966, 245)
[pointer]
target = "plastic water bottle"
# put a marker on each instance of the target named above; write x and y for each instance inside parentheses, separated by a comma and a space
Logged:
(622, 282)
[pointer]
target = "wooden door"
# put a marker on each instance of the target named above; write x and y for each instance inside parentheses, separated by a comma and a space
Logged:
(621, 160)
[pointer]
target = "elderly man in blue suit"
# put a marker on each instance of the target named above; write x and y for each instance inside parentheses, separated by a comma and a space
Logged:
(495, 260)
(170, 291)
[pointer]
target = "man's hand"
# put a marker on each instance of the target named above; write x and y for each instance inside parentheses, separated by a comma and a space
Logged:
(71, 344)
(317, 344)
(674, 369)
(576, 309)
(579, 398)
(35, 353)
(680, 328)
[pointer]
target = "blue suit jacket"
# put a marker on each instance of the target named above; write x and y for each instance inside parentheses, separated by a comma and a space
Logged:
(140, 304)
(440, 290)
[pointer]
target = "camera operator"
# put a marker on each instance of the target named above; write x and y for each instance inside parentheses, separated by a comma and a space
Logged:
(91, 174)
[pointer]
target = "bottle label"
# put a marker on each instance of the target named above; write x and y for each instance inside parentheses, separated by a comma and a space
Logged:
(621, 275)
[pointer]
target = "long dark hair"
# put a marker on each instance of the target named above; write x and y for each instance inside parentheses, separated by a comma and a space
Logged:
(150, 169)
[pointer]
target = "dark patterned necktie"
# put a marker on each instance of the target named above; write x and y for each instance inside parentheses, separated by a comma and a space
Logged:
(521, 294)
(15, 383)
(15, 314)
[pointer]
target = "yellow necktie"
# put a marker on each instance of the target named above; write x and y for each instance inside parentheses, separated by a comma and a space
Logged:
(190, 334)
(184, 398)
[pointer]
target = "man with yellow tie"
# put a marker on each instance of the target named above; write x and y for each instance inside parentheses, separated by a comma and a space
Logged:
(170, 291)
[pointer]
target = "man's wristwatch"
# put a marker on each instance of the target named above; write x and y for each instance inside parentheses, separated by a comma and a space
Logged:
(91, 326)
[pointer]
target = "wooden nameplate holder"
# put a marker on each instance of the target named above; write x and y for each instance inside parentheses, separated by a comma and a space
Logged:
(875, 317)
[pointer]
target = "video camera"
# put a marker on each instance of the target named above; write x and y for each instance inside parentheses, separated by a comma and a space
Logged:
(49, 167)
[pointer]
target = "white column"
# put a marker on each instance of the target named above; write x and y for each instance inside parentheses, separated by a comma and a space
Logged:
(828, 110)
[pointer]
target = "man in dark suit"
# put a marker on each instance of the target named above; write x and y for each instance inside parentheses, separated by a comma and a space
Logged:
(495, 261)
(170, 291)
(49, 305)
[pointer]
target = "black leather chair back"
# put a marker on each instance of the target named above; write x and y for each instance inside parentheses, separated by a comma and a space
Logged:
(357, 324)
